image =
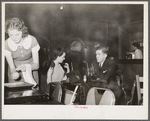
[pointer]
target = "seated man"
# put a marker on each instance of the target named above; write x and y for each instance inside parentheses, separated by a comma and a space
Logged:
(105, 72)
(74, 58)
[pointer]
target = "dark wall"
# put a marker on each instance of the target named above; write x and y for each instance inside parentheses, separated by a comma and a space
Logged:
(55, 27)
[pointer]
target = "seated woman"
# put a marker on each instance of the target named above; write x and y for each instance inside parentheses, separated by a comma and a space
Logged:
(57, 72)
(22, 53)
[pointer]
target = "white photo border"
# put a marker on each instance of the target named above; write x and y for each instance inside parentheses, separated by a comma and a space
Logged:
(70, 112)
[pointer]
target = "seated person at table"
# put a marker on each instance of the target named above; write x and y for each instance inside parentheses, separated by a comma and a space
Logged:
(22, 53)
(105, 72)
(138, 52)
(74, 58)
(56, 73)
(137, 55)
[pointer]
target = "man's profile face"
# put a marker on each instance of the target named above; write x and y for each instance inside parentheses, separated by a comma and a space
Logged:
(100, 56)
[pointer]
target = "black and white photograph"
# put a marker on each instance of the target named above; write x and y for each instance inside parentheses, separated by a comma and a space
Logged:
(74, 60)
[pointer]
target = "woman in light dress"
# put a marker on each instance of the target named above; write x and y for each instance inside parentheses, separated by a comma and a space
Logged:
(20, 49)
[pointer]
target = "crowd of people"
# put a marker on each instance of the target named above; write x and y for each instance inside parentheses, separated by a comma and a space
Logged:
(22, 55)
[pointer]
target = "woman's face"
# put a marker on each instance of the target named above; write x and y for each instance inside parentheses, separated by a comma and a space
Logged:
(61, 58)
(15, 35)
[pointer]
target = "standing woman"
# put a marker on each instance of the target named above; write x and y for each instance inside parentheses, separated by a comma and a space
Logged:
(21, 49)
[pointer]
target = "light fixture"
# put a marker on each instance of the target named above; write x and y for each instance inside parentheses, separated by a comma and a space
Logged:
(61, 7)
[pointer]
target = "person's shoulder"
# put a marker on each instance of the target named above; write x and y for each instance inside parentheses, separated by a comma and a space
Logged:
(111, 60)
(33, 40)
(6, 41)
(32, 37)
(6, 44)
(139, 50)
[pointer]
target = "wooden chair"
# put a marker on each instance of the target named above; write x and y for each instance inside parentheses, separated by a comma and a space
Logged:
(132, 93)
(100, 96)
(57, 92)
(139, 84)
(70, 96)
(119, 78)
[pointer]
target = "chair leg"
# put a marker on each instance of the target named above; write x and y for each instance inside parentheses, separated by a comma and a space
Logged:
(132, 94)
(50, 91)
(124, 91)
(71, 102)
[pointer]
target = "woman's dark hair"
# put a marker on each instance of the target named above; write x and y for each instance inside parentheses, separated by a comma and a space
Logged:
(135, 44)
(57, 52)
(50, 63)
(18, 24)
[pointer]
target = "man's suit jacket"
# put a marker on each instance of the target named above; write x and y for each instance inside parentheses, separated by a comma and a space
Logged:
(107, 77)
(106, 73)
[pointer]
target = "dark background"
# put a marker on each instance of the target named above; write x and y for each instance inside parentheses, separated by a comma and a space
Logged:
(105, 23)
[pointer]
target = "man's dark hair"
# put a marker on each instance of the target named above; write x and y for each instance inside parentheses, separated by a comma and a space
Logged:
(104, 49)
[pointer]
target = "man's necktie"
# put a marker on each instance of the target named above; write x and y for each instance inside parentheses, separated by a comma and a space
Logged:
(100, 67)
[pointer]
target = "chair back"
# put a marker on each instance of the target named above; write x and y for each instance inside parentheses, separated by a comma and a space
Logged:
(70, 96)
(132, 93)
(139, 84)
(100, 96)
(57, 93)
(107, 98)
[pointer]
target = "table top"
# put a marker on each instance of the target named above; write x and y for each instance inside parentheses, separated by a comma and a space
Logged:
(17, 84)
(23, 93)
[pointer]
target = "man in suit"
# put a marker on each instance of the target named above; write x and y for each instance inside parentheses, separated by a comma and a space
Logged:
(105, 72)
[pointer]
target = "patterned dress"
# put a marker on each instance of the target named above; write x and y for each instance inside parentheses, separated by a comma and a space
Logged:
(22, 54)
